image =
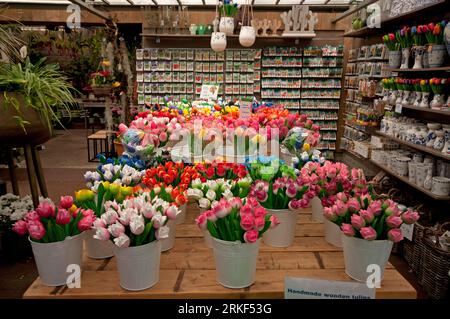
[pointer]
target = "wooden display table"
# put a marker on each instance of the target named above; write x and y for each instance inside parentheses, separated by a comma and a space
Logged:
(188, 270)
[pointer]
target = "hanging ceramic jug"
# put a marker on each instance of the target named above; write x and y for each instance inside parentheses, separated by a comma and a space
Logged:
(218, 41)
(247, 36)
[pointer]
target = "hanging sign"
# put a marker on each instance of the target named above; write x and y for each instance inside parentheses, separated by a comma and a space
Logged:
(209, 92)
(305, 288)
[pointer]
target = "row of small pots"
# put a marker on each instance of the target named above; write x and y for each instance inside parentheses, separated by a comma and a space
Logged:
(432, 56)
(247, 35)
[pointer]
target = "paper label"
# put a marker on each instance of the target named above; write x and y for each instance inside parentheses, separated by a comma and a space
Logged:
(305, 288)
(407, 231)
(245, 109)
(209, 92)
(398, 108)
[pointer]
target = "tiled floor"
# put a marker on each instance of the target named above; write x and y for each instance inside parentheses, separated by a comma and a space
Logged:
(65, 160)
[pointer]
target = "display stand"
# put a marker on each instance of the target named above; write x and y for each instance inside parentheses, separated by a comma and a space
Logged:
(188, 269)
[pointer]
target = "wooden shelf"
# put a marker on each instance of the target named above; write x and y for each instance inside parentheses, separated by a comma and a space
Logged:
(441, 69)
(189, 36)
(407, 181)
(415, 146)
(427, 110)
(399, 20)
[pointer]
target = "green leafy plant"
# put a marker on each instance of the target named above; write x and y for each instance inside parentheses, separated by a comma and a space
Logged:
(42, 86)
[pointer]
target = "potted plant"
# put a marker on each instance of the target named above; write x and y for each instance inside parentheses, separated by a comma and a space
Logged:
(55, 234)
(418, 48)
(102, 80)
(395, 56)
(438, 87)
(28, 94)
(228, 11)
(404, 37)
(369, 228)
(136, 228)
(236, 227)
(278, 189)
(434, 34)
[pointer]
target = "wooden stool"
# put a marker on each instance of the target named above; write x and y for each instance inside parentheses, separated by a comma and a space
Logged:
(34, 170)
(99, 138)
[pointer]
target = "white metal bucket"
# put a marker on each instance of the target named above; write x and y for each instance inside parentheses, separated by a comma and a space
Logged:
(97, 249)
(169, 242)
(235, 262)
(282, 235)
(360, 253)
(332, 233)
(317, 209)
(138, 266)
(208, 239)
(181, 217)
(52, 259)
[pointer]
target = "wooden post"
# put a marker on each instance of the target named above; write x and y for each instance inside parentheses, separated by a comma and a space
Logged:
(31, 174)
(12, 172)
(39, 172)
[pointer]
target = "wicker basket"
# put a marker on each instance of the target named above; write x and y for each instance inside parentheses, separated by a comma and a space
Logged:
(101, 90)
(435, 265)
(413, 250)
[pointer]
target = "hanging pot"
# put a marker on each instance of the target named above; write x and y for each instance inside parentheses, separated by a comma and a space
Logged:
(226, 25)
(247, 36)
(218, 41)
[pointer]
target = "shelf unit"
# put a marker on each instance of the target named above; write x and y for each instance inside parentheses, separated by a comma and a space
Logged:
(421, 148)
(407, 181)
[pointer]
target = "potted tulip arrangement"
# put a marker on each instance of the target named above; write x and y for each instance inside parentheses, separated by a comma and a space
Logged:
(418, 48)
(228, 10)
(425, 87)
(94, 200)
(395, 55)
(282, 197)
(417, 92)
(102, 79)
(55, 234)
(119, 174)
(404, 37)
(369, 227)
(438, 87)
(434, 34)
(136, 227)
(236, 227)
(216, 170)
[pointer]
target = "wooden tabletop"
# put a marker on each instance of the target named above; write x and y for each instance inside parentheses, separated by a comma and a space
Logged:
(188, 270)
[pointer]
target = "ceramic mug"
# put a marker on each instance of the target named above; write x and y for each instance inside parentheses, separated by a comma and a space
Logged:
(440, 186)
(421, 174)
(412, 171)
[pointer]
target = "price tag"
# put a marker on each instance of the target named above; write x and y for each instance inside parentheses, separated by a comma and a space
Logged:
(209, 92)
(398, 108)
(305, 288)
(407, 231)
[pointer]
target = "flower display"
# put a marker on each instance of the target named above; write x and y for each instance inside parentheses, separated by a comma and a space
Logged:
(368, 218)
(137, 221)
(391, 42)
(216, 170)
(49, 223)
(13, 208)
(434, 33)
(269, 168)
(306, 157)
(404, 37)
(282, 193)
(235, 219)
(207, 193)
(118, 174)
(300, 140)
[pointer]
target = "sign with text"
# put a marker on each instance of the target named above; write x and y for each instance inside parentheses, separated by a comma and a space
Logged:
(245, 109)
(305, 288)
(407, 231)
(209, 92)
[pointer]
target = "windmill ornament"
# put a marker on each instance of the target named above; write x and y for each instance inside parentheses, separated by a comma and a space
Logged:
(299, 22)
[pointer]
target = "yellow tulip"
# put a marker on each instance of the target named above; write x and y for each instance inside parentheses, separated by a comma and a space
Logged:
(126, 190)
(106, 185)
(106, 63)
(306, 147)
(116, 84)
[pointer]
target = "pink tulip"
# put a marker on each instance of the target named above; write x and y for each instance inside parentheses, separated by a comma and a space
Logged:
(45, 210)
(348, 230)
(163, 136)
(274, 221)
(201, 221)
(116, 229)
(375, 207)
(342, 197)
(410, 217)
(122, 128)
(63, 217)
(236, 202)
(395, 235)
(330, 214)
(36, 229)
(171, 212)
(251, 236)
(20, 227)
(247, 222)
(101, 233)
(246, 209)
(353, 204)
(259, 223)
(32, 216)
(85, 223)
(291, 191)
(357, 221)
(294, 205)
(98, 222)
(211, 216)
(66, 202)
(261, 196)
(368, 233)
(341, 208)
(252, 202)
(367, 215)
(394, 221)
(259, 212)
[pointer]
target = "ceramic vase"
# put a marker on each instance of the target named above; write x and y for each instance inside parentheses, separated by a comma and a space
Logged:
(395, 59)
(436, 55)
(417, 99)
(438, 102)
(405, 58)
(226, 25)
(425, 100)
(218, 41)
(418, 57)
(247, 36)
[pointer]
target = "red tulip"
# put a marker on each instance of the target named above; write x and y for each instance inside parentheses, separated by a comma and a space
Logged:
(391, 36)
(431, 26)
